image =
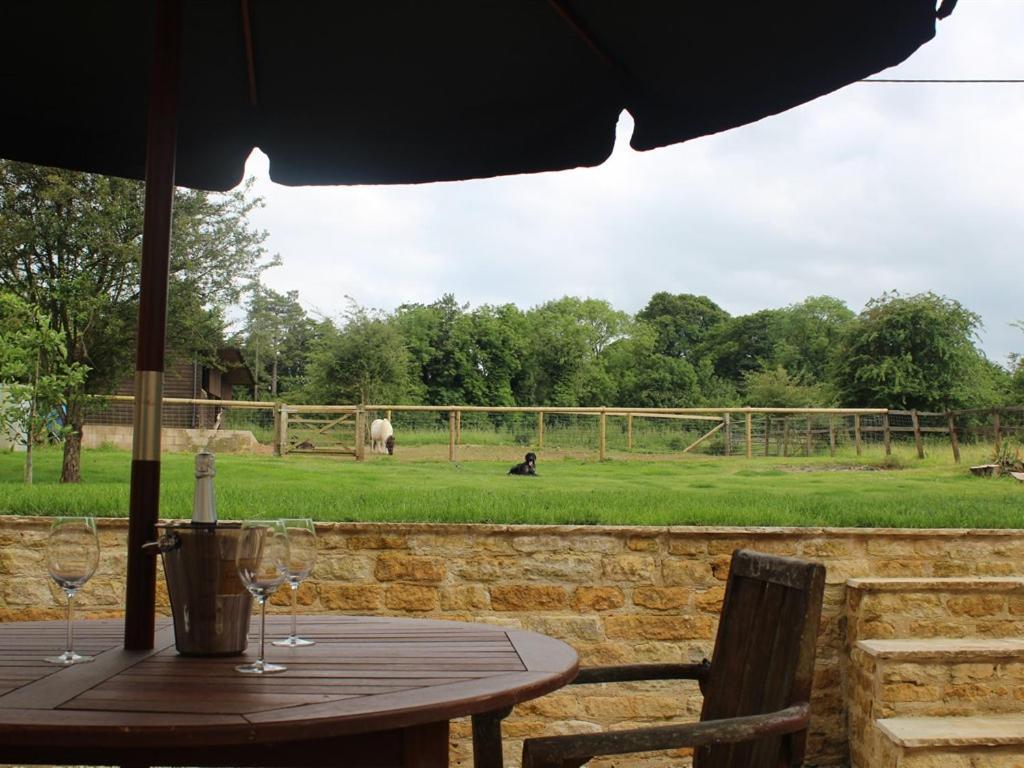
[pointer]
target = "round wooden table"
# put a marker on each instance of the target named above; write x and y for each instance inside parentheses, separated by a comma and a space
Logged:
(372, 692)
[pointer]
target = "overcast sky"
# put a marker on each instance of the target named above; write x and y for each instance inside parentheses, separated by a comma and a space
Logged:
(873, 188)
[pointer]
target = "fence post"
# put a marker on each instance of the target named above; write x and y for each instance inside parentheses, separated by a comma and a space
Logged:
(451, 435)
(917, 433)
(728, 434)
(540, 429)
(785, 435)
(831, 435)
(629, 431)
(750, 435)
(602, 435)
(458, 427)
(856, 432)
(953, 438)
(282, 436)
(809, 438)
(767, 434)
(886, 434)
(277, 428)
(996, 428)
(360, 433)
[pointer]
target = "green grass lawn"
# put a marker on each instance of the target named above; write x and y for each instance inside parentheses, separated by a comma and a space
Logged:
(686, 491)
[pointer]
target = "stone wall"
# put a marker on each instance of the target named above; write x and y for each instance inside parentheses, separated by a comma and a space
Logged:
(174, 439)
(617, 594)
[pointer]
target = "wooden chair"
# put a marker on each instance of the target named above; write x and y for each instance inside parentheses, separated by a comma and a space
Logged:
(756, 688)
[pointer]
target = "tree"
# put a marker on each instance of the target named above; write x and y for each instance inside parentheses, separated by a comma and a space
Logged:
(909, 352)
(567, 339)
(682, 321)
(445, 358)
(775, 388)
(743, 345)
(808, 332)
(643, 378)
(364, 362)
(70, 243)
(276, 337)
(33, 373)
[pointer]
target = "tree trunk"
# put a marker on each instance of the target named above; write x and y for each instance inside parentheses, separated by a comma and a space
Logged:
(273, 379)
(71, 469)
(30, 432)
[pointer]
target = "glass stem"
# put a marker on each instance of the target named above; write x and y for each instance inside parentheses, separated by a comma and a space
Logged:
(295, 599)
(263, 626)
(70, 635)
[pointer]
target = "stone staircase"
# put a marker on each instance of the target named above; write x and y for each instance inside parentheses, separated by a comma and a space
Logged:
(935, 673)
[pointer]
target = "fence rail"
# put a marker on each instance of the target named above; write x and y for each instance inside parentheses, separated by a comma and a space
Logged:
(464, 430)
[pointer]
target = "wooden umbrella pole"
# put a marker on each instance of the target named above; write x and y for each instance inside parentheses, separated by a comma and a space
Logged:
(144, 500)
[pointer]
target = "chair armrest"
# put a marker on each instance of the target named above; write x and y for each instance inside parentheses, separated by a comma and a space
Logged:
(556, 751)
(628, 672)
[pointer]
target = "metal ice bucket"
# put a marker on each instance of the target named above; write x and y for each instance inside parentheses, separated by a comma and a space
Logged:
(210, 605)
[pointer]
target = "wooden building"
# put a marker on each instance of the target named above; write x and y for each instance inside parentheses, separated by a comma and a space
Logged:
(189, 379)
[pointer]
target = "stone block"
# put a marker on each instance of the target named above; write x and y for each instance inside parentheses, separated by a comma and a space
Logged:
(466, 597)
(409, 568)
(660, 598)
(643, 543)
(560, 567)
(645, 627)
(350, 597)
(629, 568)
(411, 597)
(528, 597)
(597, 598)
(377, 541)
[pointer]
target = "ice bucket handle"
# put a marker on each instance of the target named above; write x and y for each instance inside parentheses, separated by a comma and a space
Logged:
(166, 543)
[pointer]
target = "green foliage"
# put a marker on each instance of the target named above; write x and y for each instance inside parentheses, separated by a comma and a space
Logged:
(34, 373)
(1015, 386)
(910, 352)
(70, 244)
(363, 362)
(276, 338)
(566, 342)
(646, 379)
(808, 333)
(681, 321)
(777, 389)
(743, 344)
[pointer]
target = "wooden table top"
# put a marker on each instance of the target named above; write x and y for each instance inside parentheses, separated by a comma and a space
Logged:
(365, 674)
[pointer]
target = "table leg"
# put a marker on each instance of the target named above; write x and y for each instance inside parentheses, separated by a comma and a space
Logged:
(487, 739)
(425, 746)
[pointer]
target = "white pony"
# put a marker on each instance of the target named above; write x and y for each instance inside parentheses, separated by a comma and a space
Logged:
(382, 437)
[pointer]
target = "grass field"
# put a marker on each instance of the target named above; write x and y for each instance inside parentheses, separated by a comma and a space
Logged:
(419, 487)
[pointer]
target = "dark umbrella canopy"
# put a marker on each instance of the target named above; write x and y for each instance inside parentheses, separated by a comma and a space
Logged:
(401, 91)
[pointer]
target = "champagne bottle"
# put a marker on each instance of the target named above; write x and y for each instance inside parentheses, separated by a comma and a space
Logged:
(204, 506)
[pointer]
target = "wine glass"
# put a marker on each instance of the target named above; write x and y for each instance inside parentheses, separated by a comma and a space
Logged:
(72, 554)
(301, 557)
(262, 562)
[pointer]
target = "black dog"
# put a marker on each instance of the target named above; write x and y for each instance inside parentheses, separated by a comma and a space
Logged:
(528, 467)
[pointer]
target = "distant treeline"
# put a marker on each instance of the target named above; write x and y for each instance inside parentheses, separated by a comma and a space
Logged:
(680, 350)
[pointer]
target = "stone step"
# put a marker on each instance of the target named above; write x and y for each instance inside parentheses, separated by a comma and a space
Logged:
(950, 742)
(935, 677)
(903, 608)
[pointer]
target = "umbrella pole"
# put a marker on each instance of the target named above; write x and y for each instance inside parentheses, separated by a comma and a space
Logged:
(144, 504)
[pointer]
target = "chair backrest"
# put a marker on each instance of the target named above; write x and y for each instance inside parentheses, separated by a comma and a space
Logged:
(764, 655)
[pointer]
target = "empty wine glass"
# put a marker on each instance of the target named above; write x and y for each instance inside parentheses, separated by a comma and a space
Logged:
(262, 562)
(72, 554)
(301, 558)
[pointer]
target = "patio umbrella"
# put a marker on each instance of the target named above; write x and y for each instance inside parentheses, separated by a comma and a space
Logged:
(180, 91)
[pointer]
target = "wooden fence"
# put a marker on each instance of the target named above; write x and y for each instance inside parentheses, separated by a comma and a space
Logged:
(746, 432)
